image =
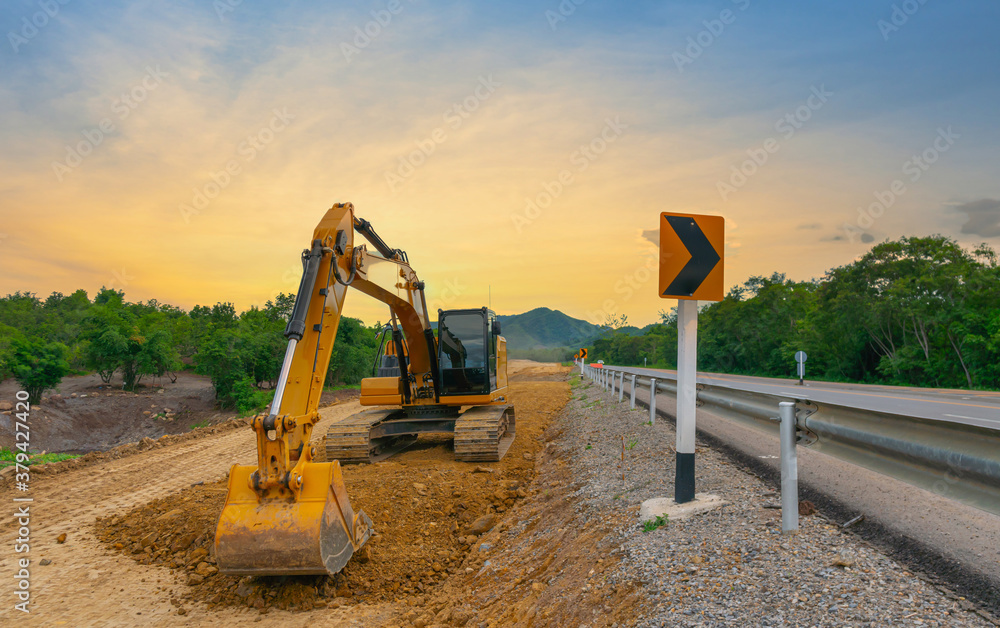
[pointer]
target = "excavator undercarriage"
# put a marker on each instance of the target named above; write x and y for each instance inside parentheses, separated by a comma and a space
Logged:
(482, 433)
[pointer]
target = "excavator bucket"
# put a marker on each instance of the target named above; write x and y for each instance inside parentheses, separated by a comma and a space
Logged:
(317, 533)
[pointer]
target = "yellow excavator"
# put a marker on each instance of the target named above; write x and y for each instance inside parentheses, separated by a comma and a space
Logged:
(290, 514)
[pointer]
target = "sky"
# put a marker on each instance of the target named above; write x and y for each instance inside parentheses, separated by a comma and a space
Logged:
(520, 152)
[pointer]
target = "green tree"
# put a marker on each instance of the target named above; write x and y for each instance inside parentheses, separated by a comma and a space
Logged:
(353, 352)
(119, 341)
(38, 366)
(923, 307)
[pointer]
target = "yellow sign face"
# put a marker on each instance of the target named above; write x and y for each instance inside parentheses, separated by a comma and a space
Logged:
(583, 354)
(692, 256)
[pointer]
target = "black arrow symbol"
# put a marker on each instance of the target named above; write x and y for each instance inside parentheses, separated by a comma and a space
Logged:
(703, 256)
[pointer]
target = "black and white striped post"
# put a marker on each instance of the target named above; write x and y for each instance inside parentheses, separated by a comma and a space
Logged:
(687, 373)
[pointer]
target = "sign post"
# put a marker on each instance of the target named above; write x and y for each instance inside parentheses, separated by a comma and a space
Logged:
(691, 269)
(800, 359)
(583, 359)
(687, 374)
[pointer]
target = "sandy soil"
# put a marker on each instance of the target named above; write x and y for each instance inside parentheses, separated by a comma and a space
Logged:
(425, 568)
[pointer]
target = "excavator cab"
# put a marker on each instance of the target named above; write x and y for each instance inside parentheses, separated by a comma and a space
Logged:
(467, 351)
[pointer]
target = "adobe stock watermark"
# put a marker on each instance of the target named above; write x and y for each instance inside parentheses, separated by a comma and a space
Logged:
(122, 107)
(120, 279)
(562, 12)
(453, 290)
(954, 475)
(31, 25)
(628, 286)
(365, 34)
(247, 150)
(704, 39)
(787, 125)
(222, 7)
(454, 117)
(901, 14)
(582, 158)
(913, 170)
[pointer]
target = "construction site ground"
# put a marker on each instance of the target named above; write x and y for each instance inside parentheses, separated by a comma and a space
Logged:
(549, 536)
(425, 566)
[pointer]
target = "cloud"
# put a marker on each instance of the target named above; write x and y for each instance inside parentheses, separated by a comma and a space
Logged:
(811, 225)
(865, 237)
(983, 218)
(653, 235)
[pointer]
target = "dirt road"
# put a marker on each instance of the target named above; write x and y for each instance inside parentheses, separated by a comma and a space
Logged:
(89, 583)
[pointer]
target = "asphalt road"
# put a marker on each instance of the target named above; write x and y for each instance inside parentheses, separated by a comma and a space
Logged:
(980, 408)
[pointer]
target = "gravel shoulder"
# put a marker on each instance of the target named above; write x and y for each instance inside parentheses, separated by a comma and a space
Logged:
(732, 566)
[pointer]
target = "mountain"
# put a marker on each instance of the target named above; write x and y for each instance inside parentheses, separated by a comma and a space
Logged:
(543, 328)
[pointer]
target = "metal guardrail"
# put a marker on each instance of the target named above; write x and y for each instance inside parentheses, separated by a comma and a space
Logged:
(955, 460)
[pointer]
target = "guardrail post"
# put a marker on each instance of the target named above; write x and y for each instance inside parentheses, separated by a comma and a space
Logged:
(621, 388)
(652, 401)
(789, 470)
(631, 405)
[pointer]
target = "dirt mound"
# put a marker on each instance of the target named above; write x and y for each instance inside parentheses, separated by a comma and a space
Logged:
(429, 511)
(86, 415)
(148, 443)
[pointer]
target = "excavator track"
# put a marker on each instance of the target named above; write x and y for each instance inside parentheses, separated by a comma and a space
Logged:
(349, 441)
(484, 433)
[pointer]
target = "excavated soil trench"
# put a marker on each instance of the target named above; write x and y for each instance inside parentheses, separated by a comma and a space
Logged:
(428, 510)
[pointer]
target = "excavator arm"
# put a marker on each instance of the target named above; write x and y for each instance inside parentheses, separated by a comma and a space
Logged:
(289, 514)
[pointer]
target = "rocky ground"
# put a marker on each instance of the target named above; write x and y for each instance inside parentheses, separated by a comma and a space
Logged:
(732, 566)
